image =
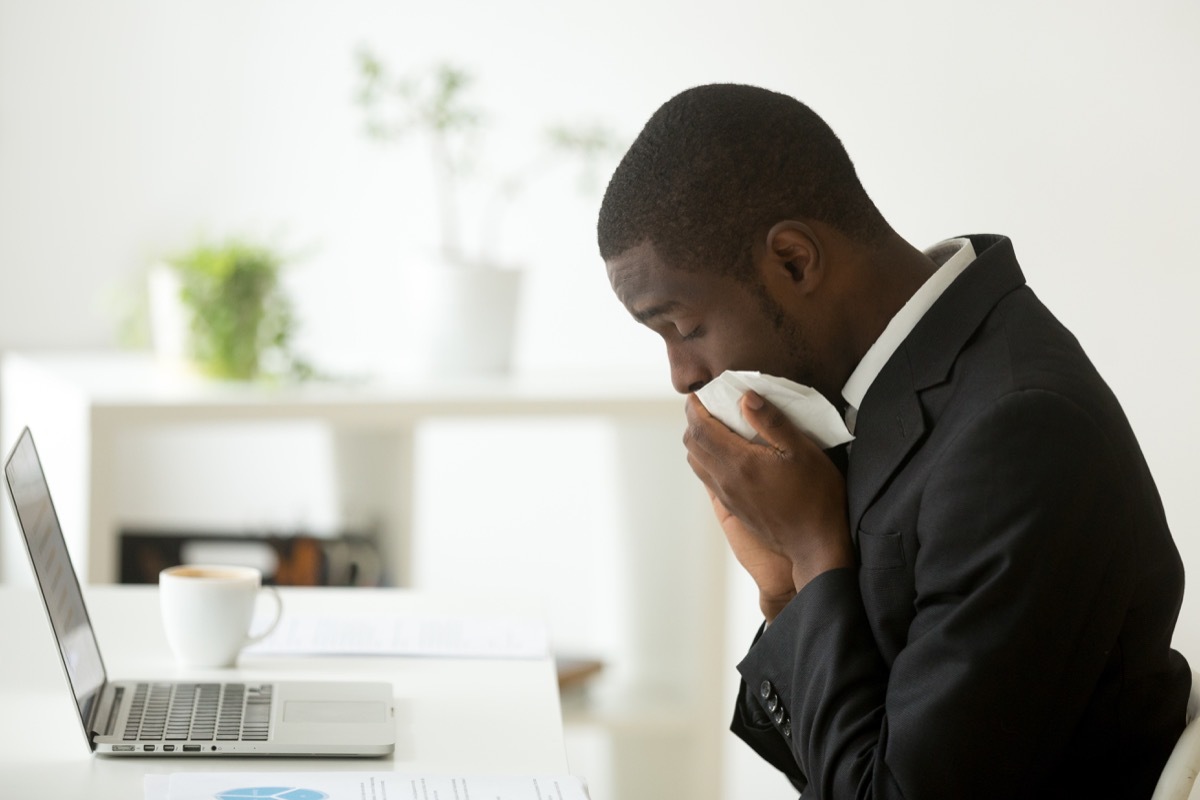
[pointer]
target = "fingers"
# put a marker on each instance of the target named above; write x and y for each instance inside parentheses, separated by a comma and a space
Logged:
(717, 455)
(770, 423)
(711, 447)
(709, 434)
(706, 435)
(776, 429)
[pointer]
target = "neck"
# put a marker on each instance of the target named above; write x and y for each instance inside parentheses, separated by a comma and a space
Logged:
(881, 282)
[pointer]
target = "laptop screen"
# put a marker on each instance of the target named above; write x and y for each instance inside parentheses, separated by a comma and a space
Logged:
(55, 574)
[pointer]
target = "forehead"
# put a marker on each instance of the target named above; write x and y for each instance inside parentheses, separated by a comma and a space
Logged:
(647, 286)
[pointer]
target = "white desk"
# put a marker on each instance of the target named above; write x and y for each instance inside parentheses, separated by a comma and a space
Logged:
(667, 672)
(468, 715)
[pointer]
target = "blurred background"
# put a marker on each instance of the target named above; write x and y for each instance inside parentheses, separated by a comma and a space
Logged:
(131, 130)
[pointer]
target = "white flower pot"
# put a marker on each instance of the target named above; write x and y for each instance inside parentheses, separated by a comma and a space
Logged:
(463, 320)
(168, 315)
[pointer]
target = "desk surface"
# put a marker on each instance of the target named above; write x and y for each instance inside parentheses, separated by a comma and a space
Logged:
(453, 715)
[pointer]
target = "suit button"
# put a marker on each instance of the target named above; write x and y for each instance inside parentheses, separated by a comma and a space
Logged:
(764, 690)
(779, 715)
(787, 731)
(772, 702)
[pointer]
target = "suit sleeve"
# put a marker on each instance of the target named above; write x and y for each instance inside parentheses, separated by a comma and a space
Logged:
(753, 723)
(1018, 602)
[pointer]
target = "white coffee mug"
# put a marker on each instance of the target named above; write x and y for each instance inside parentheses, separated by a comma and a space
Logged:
(207, 611)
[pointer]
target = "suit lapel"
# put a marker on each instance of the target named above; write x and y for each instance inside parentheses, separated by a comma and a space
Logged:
(884, 436)
(892, 420)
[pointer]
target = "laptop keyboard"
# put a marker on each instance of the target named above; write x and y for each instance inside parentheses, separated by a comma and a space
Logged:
(199, 712)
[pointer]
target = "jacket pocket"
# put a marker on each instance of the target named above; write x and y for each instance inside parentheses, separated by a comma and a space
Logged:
(888, 590)
(881, 550)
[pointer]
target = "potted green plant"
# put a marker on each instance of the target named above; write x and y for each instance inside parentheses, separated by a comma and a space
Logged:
(468, 302)
(221, 306)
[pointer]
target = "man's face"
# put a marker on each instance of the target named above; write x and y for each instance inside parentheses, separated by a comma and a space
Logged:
(709, 322)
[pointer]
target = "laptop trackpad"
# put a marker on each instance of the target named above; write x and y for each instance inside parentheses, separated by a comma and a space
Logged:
(333, 711)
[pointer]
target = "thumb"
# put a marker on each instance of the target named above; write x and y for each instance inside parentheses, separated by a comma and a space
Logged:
(770, 423)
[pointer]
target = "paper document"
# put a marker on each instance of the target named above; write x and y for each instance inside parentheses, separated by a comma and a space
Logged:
(433, 636)
(358, 786)
(804, 406)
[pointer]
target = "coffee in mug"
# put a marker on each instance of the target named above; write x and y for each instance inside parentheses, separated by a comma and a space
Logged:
(207, 611)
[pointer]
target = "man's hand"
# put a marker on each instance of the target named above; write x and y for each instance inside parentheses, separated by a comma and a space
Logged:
(771, 571)
(784, 497)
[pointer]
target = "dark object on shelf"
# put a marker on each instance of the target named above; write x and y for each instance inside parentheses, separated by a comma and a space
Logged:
(575, 672)
(285, 559)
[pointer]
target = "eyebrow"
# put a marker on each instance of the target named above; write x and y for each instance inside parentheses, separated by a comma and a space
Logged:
(655, 311)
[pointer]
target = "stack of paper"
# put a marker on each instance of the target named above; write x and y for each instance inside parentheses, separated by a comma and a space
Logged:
(357, 786)
(434, 635)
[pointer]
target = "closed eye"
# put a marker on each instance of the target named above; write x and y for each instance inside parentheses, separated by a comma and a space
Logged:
(695, 333)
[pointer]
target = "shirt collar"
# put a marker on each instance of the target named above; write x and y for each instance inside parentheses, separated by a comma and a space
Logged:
(952, 256)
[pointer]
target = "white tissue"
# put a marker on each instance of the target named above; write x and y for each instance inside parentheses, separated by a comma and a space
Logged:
(807, 408)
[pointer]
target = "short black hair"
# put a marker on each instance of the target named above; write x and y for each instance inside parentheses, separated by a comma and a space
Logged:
(717, 165)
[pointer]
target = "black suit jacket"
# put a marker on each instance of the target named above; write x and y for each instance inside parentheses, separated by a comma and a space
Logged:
(1007, 631)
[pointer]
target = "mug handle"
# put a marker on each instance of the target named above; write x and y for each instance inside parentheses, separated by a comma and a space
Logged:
(258, 637)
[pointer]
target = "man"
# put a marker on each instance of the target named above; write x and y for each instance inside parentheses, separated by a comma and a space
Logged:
(983, 605)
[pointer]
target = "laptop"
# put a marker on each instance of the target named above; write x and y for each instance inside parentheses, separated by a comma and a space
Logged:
(171, 717)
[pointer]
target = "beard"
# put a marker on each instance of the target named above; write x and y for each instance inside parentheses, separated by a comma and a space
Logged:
(792, 355)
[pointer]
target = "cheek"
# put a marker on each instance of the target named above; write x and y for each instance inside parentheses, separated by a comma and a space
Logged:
(796, 359)
(776, 346)
(744, 348)
(750, 332)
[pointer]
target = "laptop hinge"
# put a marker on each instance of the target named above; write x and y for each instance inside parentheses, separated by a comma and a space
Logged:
(104, 713)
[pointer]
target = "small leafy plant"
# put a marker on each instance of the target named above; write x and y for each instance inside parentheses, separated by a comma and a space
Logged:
(436, 103)
(241, 321)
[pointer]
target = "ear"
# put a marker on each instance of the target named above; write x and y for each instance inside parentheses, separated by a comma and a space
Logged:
(794, 255)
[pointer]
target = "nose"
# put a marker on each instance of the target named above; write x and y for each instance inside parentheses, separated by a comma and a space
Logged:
(688, 374)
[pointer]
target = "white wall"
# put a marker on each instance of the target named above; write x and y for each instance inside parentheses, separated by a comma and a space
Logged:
(128, 127)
